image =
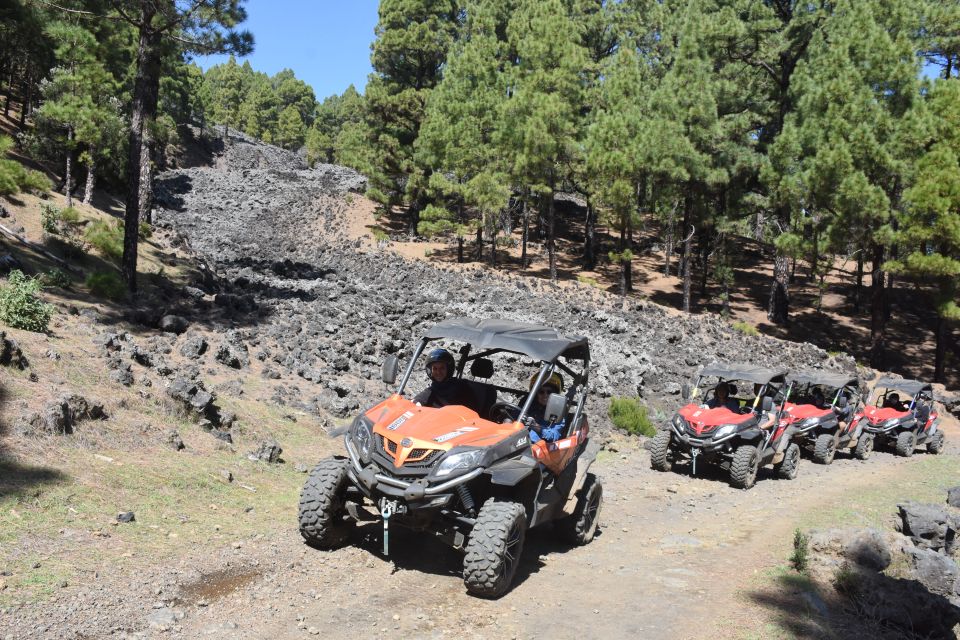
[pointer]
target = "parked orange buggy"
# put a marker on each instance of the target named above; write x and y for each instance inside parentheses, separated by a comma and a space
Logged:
(826, 412)
(468, 472)
(903, 422)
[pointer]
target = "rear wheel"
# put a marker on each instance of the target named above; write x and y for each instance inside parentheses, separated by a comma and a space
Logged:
(323, 519)
(580, 527)
(864, 447)
(660, 451)
(788, 467)
(493, 551)
(743, 469)
(906, 443)
(825, 448)
(935, 445)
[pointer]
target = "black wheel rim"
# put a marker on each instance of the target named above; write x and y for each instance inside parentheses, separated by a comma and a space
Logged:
(590, 513)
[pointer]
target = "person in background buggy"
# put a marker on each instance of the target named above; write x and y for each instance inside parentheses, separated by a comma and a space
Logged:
(721, 398)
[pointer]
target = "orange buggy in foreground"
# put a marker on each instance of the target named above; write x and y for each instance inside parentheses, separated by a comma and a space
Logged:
(468, 474)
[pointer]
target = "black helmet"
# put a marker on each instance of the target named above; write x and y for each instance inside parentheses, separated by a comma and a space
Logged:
(440, 355)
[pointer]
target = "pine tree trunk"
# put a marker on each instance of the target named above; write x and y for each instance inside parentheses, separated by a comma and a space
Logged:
(67, 174)
(687, 211)
(589, 251)
(668, 252)
(628, 256)
(493, 247)
(778, 311)
(687, 276)
(460, 249)
(704, 262)
(877, 311)
(551, 246)
(939, 358)
(858, 288)
(145, 93)
(480, 243)
(26, 96)
(146, 176)
(526, 233)
(91, 177)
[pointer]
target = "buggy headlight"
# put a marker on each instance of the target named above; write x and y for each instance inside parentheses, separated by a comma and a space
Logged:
(459, 462)
(678, 421)
(809, 422)
(361, 432)
(892, 422)
(724, 430)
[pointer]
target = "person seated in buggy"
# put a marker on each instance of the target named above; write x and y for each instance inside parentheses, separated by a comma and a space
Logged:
(892, 401)
(444, 389)
(721, 398)
(540, 428)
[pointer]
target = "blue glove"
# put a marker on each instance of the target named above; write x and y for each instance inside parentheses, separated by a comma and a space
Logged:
(552, 434)
(534, 437)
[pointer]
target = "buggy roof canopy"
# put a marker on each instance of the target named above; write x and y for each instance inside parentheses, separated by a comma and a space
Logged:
(913, 387)
(826, 378)
(542, 343)
(748, 372)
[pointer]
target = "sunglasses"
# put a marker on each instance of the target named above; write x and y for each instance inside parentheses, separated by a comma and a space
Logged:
(547, 390)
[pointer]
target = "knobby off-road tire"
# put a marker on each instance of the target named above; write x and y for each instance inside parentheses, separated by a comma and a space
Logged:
(906, 443)
(743, 469)
(935, 446)
(579, 527)
(864, 447)
(322, 514)
(660, 451)
(494, 548)
(788, 467)
(825, 448)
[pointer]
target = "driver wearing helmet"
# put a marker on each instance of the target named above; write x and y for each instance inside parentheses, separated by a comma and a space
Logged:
(444, 389)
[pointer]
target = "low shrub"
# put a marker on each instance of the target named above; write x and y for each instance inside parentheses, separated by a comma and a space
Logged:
(628, 414)
(106, 238)
(798, 559)
(14, 177)
(55, 278)
(50, 217)
(107, 284)
(20, 307)
(380, 235)
(745, 328)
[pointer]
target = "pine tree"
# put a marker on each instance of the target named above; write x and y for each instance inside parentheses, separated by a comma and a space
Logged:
(226, 93)
(412, 41)
(539, 121)
(930, 223)
(290, 128)
(74, 97)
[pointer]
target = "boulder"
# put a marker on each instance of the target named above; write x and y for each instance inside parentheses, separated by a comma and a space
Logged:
(868, 548)
(937, 572)
(10, 353)
(929, 526)
(174, 324)
(953, 497)
(268, 451)
(193, 347)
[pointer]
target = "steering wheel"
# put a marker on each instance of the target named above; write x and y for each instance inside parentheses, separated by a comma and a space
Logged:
(501, 411)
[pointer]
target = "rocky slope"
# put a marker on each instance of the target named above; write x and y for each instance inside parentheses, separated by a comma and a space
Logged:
(312, 304)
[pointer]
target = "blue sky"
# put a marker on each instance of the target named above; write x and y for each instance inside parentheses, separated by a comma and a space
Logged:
(325, 42)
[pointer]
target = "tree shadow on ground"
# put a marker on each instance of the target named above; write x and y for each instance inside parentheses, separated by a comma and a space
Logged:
(422, 552)
(880, 607)
(17, 478)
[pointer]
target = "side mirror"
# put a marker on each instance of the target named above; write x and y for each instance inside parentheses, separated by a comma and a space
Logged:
(842, 402)
(556, 407)
(766, 404)
(391, 366)
(685, 391)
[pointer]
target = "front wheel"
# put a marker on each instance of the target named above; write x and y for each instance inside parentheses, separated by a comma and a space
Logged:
(906, 443)
(935, 445)
(323, 520)
(743, 469)
(825, 448)
(493, 551)
(660, 451)
(580, 527)
(864, 447)
(788, 467)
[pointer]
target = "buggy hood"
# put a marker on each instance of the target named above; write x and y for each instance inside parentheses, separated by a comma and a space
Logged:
(702, 419)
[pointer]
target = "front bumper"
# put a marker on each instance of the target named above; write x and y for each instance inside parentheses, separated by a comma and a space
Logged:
(416, 493)
(686, 441)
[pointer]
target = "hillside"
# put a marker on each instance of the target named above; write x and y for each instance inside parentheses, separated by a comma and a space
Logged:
(265, 319)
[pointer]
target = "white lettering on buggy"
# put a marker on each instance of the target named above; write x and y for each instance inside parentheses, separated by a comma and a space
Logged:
(454, 434)
(393, 426)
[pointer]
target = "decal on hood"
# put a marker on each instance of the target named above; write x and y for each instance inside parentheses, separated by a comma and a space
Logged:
(454, 434)
(393, 426)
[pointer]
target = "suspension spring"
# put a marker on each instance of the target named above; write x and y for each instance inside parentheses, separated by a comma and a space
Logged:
(466, 499)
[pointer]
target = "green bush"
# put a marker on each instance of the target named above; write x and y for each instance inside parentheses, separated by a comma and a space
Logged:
(50, 217)
(35, 181)
(745, 328)
(55, 278)
(106, 238)
(20, 307)
(69, 216)
(798, 559)
(631, 416)
(107, 285)
(14, 177)
(145, 230)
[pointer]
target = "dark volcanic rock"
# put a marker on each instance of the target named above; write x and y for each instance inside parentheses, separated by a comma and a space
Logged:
(953, 497)
(10, 353)
(267, 452)
(930, 526)
(61, 416)
(193, 347)
(174, 324)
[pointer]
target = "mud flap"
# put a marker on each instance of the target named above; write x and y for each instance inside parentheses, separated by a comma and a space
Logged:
(583, 466)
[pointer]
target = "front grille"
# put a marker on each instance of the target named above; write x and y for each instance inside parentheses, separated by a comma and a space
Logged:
(418, 458)
(427, 461)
